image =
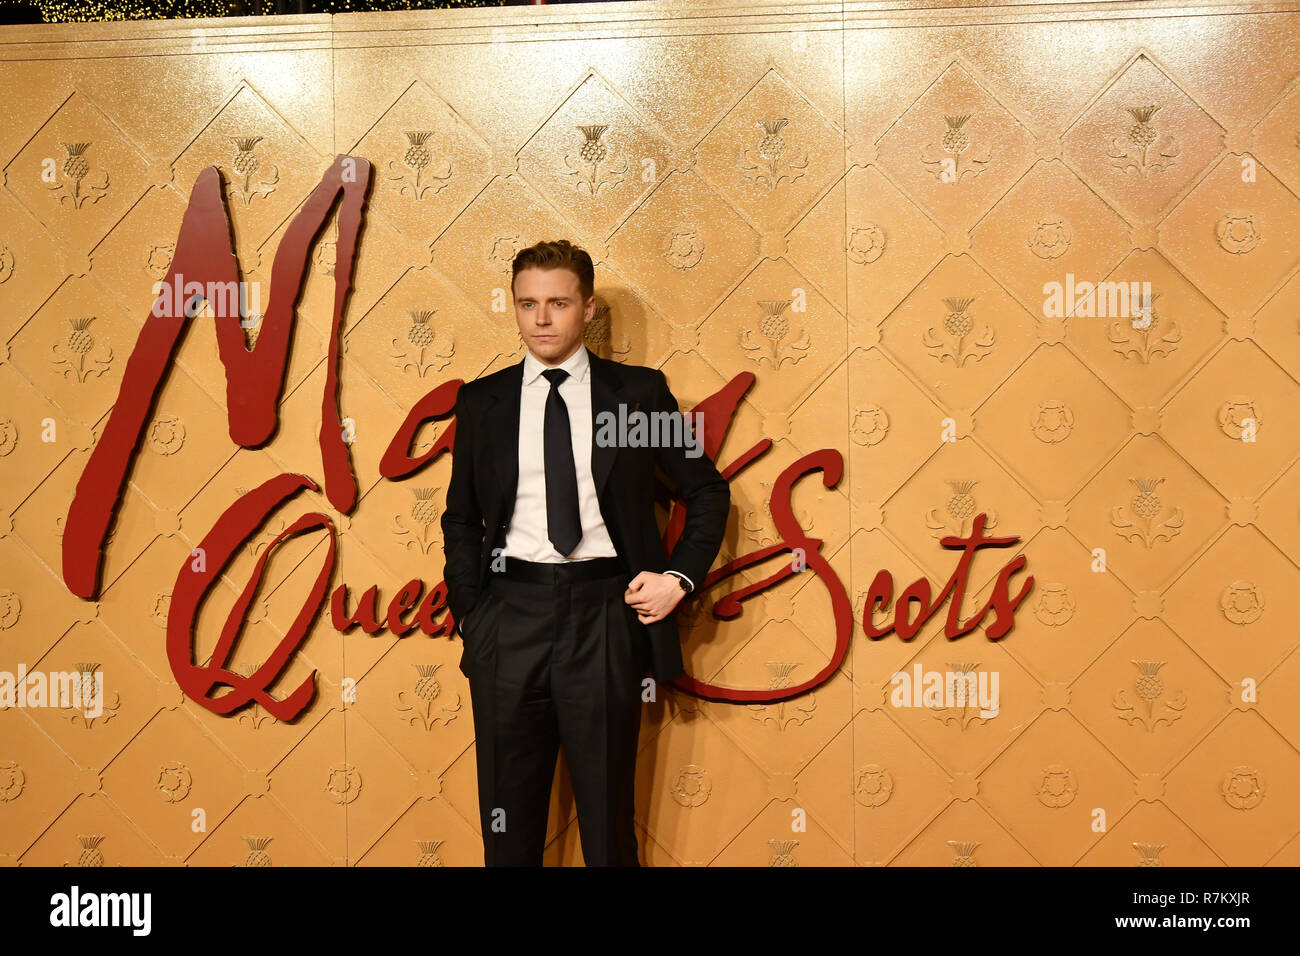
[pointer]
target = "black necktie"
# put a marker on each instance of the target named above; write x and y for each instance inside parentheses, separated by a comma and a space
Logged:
(563, 524)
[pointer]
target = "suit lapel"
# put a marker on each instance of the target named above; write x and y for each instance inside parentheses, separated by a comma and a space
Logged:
(606, 386)
(502, 429)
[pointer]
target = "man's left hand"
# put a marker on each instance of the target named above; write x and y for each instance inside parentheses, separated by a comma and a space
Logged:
(653, 596)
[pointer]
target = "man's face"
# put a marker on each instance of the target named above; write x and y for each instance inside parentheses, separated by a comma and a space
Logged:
(551, 313)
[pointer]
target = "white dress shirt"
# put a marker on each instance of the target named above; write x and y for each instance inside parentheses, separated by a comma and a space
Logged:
(526, 537)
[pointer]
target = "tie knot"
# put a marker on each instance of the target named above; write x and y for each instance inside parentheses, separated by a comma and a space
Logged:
(555, 376)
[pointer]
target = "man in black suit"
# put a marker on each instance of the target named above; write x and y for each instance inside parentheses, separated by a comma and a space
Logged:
(555, 567)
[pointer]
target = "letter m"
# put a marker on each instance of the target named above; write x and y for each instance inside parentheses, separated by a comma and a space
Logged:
(205, 259)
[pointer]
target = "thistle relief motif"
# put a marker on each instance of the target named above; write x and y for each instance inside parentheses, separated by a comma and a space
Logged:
(758, 524)
(958, 511)
(422, 708)
(418, 178)
(424, 533)
(1154, 336)
(1149, 853)
(246, 165)
(959, 326)
(964, 852)
(429, 852)
(426, 350)
(1143, 150)
(1145, 522)
(763, 164)
(968, 710)
(254, 714)
(257, 855)
(270, 530)
(954, 165)
(785, 712)
(73, 356)
(774, 328)
(75, 169)
(782, 852)
(1149, 710)
(90, 853)
(591, 154)
(77, 711)
(596, 335)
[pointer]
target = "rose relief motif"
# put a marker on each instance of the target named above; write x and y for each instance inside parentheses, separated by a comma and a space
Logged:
(692, 786)
(1050, 238)
(1241, 602)
(1237, 233)
(1238, 418)
(1055, 605)
(1242, 788)
(683, 246)
(866, 244)
(1052, 422)
(874, 786)
(870, 425)
(1057, 786)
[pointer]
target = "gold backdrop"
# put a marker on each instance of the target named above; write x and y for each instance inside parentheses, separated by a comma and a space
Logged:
(860, 204)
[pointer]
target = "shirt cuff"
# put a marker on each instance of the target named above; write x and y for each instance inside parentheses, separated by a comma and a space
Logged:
(690, 585)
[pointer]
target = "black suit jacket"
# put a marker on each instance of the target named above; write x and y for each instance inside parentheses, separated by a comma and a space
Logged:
(485, 476)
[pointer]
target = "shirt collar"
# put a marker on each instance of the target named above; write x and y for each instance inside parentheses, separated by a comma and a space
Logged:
(577, 365)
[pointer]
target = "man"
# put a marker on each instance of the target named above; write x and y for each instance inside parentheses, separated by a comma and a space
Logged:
(555, 568)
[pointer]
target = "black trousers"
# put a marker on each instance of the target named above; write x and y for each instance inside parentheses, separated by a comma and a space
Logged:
(556, 660)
